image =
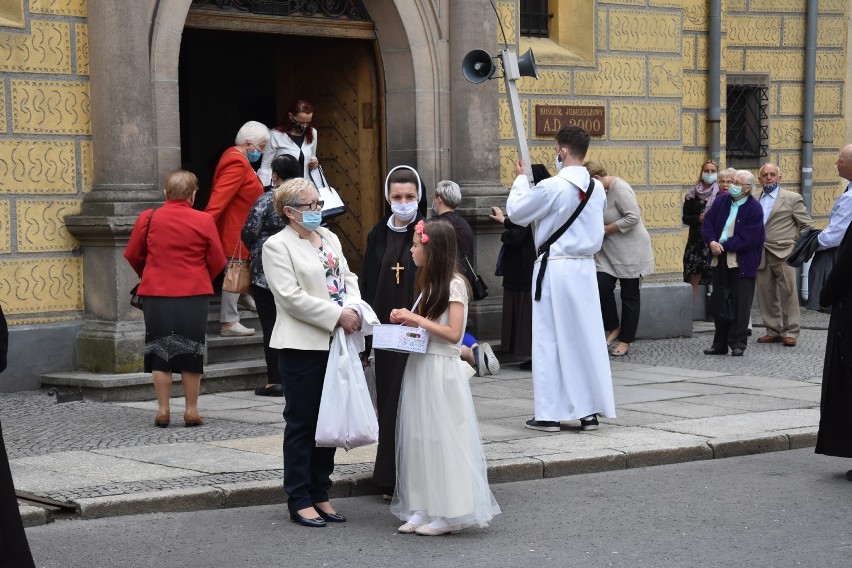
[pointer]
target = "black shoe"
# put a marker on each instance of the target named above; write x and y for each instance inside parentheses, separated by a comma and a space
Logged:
(315, 523)
(737, 352)
(526, 366)
(274, 390)
(589, 423)
(543, 425)
(715, 351)
(330, 517)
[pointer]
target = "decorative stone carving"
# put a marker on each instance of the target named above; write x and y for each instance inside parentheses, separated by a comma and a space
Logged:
(35, 167)
(50, 107)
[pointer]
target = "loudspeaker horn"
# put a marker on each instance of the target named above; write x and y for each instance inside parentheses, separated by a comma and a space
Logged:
(526, 65)
(478, 66)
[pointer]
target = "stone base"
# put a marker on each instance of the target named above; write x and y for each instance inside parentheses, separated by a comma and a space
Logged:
(38, 349)
(111, 347)
(666, 310)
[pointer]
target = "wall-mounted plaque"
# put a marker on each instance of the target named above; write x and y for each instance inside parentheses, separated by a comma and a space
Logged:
(550, 118)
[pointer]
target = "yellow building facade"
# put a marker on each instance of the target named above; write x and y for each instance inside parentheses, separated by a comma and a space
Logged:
(644, 61)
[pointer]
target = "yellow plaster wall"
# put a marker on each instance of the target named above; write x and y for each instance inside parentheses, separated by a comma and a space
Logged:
(650, 75)
(45, 160)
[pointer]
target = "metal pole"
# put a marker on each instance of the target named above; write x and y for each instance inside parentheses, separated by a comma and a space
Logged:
(714, 113)
(510, 75)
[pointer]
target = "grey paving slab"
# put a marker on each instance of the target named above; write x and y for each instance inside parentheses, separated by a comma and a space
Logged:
(693, 407)
(41, 481)
(203, 458)
(249, 415)
(489, 409)
(636, 393)
(752, 382)
(102, 468)
(745, 425)
(695, 388)
(522, 404)
(501, 391)
(628, 416)
(496, 432)
(748, 402)
(809, 393)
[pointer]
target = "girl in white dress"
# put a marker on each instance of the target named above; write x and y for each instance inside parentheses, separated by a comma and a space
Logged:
(441, 479)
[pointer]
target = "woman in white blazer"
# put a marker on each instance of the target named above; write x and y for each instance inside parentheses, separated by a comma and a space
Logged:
(312, 285)
(295, 137)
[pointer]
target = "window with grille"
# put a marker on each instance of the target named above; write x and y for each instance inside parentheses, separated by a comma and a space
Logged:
(534, 18)
(748, 129)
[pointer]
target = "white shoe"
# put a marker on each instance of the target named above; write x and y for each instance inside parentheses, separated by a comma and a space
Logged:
(235, 329)
(492, 365)
(436, 528)
(247, 302)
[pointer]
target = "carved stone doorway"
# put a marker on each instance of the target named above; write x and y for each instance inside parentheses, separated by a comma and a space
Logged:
(228, 77)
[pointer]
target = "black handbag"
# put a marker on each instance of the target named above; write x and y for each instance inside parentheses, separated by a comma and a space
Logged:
(477, 284)
(136, 300)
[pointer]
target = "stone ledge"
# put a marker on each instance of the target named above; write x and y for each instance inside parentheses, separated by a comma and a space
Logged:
(731, 448)
(666, 456)
(33, 516)
(171, 501)
(515, 469)
(253, 493)
(559, 465)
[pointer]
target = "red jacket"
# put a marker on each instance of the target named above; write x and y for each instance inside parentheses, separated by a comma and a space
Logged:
(180, 255)
(234, 190)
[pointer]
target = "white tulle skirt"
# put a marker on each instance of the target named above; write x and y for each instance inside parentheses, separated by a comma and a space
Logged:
(440, 463)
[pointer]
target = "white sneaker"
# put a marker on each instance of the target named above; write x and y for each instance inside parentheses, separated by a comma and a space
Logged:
(247, 302)
(492, 365)
(235, 329)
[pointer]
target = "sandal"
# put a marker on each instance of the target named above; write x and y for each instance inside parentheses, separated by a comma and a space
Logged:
(619, 351)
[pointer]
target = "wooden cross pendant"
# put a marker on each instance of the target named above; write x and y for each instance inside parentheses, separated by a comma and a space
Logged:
(398, 268)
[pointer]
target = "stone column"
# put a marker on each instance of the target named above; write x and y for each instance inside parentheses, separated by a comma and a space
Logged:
(475, 152)
(124, 181)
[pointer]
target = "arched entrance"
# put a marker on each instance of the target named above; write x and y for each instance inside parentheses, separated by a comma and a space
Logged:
(228, 75)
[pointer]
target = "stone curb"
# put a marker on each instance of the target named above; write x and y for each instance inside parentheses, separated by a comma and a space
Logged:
(256, 493)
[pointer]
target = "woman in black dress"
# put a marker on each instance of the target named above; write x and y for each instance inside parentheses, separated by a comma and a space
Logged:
(696, 256)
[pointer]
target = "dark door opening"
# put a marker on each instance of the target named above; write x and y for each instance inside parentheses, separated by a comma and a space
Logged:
(227, 78)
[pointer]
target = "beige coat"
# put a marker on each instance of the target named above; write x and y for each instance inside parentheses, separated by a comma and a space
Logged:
(787, 220)
(626, 253)
(304, 314)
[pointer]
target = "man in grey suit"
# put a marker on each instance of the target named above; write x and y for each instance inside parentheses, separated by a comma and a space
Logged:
(784, 218)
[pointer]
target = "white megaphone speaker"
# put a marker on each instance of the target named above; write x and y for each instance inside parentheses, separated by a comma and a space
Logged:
(526, 65)
(478, 66)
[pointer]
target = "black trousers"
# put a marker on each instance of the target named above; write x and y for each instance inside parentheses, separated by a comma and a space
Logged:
(14, 549)
(732, 333)
(265, 302)
(629, 305)
(307, 468)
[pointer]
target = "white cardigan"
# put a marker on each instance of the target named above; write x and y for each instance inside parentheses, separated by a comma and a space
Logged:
(304, 314)
(281, 143)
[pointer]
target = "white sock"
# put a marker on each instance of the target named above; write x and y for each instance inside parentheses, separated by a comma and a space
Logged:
(439, 523)
(417, 518)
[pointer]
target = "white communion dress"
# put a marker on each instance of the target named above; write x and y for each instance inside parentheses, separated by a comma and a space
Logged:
(440, 462)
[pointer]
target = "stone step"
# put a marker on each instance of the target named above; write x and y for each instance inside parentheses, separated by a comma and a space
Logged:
(223, 349)
(131, 387)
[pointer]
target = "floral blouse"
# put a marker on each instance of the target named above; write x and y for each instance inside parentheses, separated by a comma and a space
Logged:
(333, 273)
(262, 223)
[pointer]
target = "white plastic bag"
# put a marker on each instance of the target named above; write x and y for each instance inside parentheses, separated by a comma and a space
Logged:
(346, 416)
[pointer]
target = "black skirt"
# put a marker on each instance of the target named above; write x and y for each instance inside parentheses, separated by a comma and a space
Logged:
(175, 333)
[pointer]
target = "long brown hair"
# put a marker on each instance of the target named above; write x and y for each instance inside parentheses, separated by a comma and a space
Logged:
(299, 105)
(434, 277)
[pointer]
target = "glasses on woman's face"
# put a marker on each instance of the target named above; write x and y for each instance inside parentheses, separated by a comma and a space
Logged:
(313, 205)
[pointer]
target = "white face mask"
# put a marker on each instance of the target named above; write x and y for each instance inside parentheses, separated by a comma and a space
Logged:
(558, 163)
(405, 212)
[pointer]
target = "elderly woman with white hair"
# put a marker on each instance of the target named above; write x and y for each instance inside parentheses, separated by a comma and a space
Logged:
(234, 190)
(733, 230)
(312, 285)
(447, 199)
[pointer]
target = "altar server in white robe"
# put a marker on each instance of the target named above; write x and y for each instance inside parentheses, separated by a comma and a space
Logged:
(570, 364)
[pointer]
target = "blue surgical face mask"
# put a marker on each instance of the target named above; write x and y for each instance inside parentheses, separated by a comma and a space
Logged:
(311, 220)
(708, 178)
(434, 209)
(253, 155)
(735, 190)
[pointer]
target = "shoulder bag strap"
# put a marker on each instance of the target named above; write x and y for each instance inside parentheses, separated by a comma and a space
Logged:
(148, 230)
(544, 250)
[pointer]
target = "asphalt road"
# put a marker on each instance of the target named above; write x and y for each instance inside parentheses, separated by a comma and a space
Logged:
(773, 510)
